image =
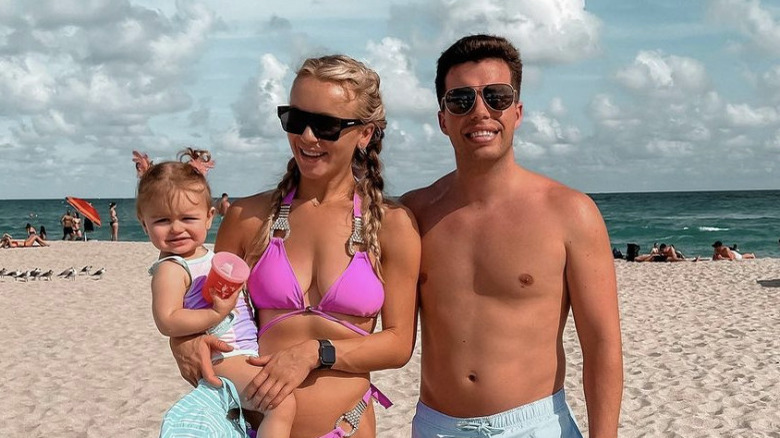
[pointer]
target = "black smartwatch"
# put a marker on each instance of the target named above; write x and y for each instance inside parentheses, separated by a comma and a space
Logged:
(327, 354)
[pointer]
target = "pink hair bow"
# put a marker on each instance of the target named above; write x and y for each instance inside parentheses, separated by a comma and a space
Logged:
(201, 161)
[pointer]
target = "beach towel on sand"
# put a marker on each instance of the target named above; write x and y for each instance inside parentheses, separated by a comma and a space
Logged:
(204, 413)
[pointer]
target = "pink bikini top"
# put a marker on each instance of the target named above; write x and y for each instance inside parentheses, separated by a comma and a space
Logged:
(272, 283)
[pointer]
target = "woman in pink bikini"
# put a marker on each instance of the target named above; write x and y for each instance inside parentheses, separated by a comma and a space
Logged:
(329, 255)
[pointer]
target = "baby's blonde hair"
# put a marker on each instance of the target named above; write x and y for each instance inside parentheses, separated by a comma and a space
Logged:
(172, 179)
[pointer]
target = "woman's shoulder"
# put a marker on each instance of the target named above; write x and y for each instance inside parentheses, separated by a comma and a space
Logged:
(252, 204)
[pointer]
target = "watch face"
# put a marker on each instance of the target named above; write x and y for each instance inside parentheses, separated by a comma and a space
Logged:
(327, 354)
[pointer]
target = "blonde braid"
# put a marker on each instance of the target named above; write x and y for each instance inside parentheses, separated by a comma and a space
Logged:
(289, 180)
(371, 188)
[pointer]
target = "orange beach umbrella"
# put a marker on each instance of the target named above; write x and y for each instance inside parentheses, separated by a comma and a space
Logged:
(85, 208)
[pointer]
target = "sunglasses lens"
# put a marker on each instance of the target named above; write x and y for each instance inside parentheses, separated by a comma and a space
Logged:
(324, 127)
(291, 122)
(498, 96)
(460, 100)
(295, 121)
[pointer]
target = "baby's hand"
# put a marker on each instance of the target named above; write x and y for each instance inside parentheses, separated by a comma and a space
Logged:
(224, 306)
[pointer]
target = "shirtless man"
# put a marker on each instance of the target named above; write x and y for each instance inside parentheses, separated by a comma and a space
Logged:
(722, 252)
(67, 225)
(505, 254)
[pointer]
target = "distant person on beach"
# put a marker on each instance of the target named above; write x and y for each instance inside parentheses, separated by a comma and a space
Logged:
(77, 226)
(330, 254)
(722, 252)
(649, 256)
(223, 204)
(42, 233)
(67, 225)
(113, 221)
(173, 204)
(662, 253)
(32, 240)
(507, 254)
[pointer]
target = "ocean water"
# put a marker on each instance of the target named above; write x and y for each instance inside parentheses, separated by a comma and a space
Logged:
(691, 221)
(16, 214)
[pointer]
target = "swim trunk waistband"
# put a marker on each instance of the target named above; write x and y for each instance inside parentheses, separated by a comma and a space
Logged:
(541, 408)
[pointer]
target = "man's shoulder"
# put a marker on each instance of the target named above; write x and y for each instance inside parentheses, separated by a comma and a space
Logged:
(417, 199)
(555, 192)
(555, 200)
(573, 207)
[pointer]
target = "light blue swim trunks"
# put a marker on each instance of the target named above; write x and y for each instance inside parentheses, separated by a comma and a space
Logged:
(549, 417)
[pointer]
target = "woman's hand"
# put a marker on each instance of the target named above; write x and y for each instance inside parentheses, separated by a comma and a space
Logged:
(282, 372)
(193, 357)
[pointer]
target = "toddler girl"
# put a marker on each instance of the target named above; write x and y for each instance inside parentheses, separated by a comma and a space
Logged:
(174, 207)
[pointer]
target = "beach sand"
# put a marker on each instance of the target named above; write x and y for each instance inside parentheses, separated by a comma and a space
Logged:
(83, 358)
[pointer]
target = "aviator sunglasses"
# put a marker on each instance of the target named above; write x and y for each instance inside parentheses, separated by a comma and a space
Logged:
(324, 127)
(460, 101)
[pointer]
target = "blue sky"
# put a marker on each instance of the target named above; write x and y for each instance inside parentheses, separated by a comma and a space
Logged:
(619, 95)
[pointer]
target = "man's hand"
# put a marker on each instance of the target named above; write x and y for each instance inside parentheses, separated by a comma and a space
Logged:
(193, 357)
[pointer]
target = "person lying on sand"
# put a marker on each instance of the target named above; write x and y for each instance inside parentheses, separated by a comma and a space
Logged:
(722, 252)
(664, 253)
(32, 240)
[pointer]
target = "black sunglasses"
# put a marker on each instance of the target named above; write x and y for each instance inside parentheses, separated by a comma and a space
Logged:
(460, 101)
(324, 127)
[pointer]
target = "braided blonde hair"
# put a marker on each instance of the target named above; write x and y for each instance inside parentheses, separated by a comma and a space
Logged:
(363, 84)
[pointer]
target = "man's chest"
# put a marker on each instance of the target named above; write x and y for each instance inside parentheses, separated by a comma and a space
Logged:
(498, 255)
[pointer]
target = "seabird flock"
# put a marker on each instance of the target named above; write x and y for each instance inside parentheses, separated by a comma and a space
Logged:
(40, 275)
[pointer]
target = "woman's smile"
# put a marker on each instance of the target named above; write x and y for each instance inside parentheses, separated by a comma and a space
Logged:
(311, 154)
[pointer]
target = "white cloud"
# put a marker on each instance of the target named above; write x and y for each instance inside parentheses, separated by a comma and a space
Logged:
(546, 131)
(604, 109)
(738, 142)
(773, 143)
(658, 75)
(26, 85)
(769, 83)
(255, 109)
(670, 148)
(86, 81)
(54, 123)
(743, 115)
(99, 70)
(545, 31)
(674, 120)
(402, 92)
(557, 107)
(173, 51)
(83, 80)
(527, 150)
(760, 25)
